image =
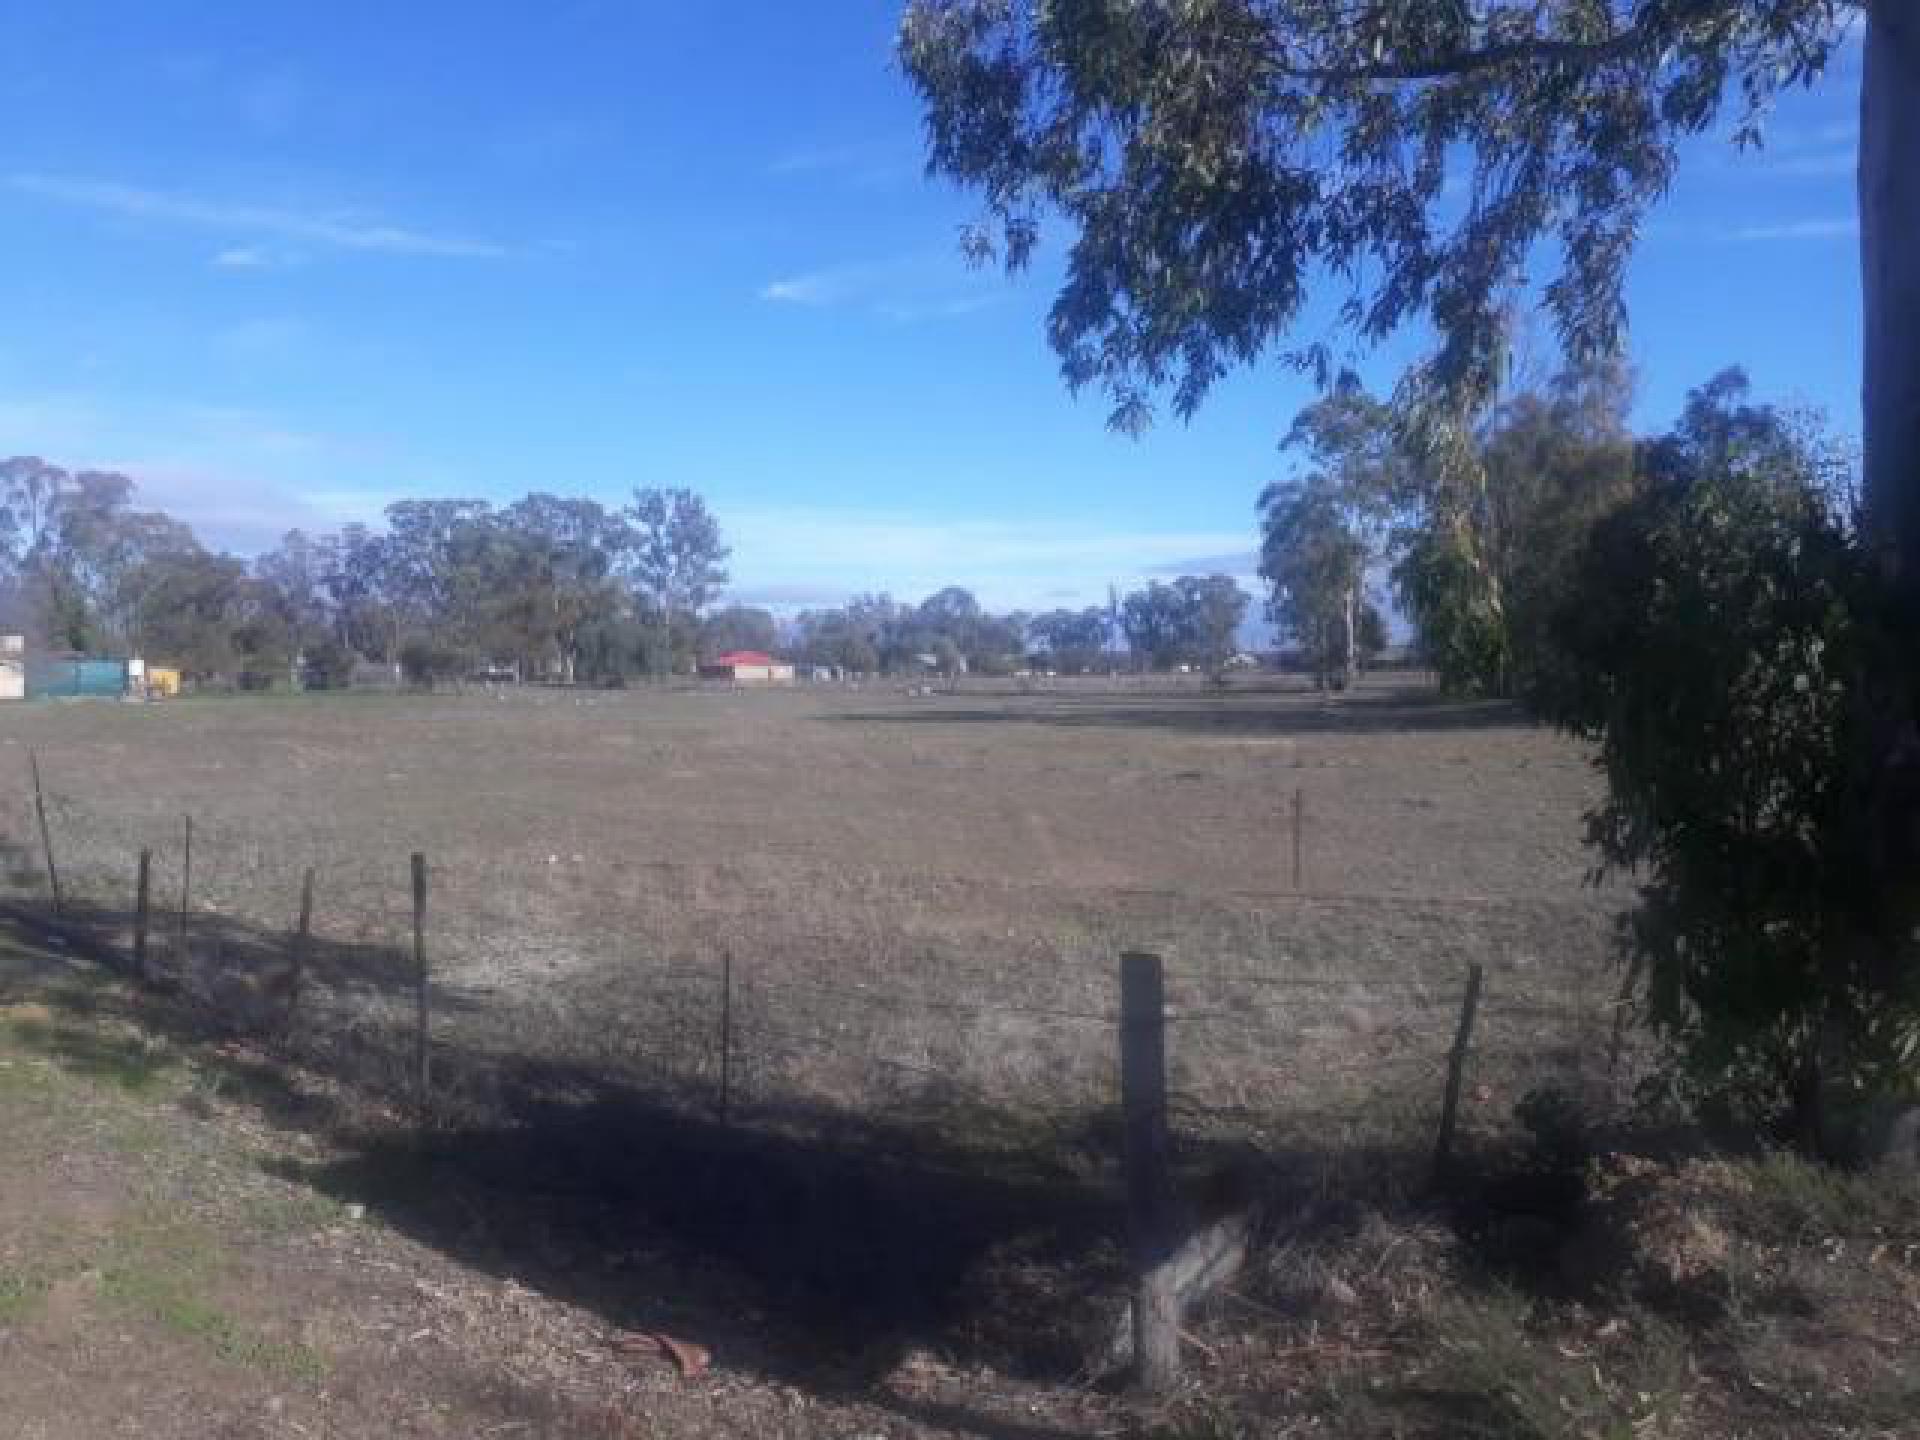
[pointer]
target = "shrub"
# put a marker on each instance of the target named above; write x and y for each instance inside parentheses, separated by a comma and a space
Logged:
(327, 666)
(429, 662)
(1456, 613)
(1723, 642)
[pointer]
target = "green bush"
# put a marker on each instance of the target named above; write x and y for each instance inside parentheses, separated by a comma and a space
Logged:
(327, 665)
(1723, 647)
(1456, 613)
(429, 662)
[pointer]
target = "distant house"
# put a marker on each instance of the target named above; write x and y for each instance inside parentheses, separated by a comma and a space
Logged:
(13, 667)
(748, 667)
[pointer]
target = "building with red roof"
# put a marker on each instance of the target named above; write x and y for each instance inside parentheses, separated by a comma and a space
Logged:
(750, 667)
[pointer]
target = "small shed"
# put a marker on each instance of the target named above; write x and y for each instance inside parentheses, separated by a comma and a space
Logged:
(71, 677)
(754, 667)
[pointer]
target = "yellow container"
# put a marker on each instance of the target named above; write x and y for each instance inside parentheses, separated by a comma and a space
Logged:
(162, 682)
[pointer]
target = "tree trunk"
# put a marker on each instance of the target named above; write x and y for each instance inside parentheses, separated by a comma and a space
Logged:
(1890, 269)
(1350, 662)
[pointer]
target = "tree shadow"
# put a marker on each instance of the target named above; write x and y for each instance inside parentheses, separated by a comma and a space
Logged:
(816, 1249)
(237, 969)
(1239, 713)
(814, 1244)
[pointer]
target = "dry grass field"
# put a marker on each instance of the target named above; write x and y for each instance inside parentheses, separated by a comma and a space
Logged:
(906, 1220)
(919, 893)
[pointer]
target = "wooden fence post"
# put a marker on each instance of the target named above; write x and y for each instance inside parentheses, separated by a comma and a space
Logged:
(1150, 1202)
(420, 980)
(1456, 1070)
(1299, 824)
(297, 954)
(726, 1033)
(46, 834)
(141, 903)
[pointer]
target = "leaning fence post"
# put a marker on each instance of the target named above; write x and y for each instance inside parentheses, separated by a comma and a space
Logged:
(141, 901)
(297, 953)
(1456, 1070)
(726, 1032)
(420, 1076)
(1150, 1205)
(46, 834)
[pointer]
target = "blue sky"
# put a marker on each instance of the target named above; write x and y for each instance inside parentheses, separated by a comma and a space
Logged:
(284, 264)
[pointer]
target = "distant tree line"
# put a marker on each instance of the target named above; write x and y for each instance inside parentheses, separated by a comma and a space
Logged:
(548, 587)
(1191, 622)
(553, 587)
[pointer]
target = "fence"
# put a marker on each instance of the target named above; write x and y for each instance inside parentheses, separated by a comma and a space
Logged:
(468, 979)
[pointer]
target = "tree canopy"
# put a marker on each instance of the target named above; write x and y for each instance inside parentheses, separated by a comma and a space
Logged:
(1216, 159)
(1191, 621)
(553, 586)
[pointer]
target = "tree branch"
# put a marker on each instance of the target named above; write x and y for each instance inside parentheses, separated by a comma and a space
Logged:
(1657, 26)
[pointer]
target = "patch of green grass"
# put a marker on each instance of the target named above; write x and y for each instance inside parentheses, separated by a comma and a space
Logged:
(20, 1077)
(132, 1063)
(151, 1287)
(162, 1271)
(289, 1210)
(20, 1291)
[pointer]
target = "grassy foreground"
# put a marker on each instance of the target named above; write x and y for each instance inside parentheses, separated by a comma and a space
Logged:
(181, 1256)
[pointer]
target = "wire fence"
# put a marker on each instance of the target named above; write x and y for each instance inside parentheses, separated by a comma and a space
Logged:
(1292, 1013)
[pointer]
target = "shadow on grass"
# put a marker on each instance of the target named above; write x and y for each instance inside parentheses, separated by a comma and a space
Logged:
(819, 1259)
(236, 969)
(1383, 709)
(812, 1243)
(815, 1245)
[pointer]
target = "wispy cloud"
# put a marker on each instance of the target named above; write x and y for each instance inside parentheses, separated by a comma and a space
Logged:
(1838, 227)
(334, 230)
(859, 162)
(807, 555)
(820, 288)
(241, 477)
(921, 286)
(255, 257)
(1233, 562)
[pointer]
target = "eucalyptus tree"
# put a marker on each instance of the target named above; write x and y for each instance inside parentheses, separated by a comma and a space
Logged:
(1215, 606)
(1327, 528)
(1075, 640)
(676, 561)
(1317, 567)
(739, 627)
(1214, 160)
(1193, 620)
(570, 552)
